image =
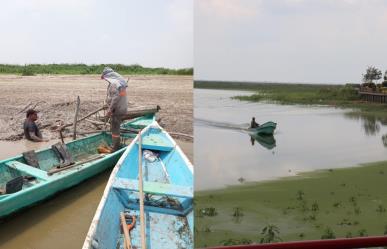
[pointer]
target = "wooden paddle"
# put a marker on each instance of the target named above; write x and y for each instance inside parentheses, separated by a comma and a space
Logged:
(127, 242)
(56, 170)
(141, 191)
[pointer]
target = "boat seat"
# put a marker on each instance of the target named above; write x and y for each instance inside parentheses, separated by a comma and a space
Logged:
(27, 169)
(154, 188)
(13, 186)
(156, 142)
(31, 158)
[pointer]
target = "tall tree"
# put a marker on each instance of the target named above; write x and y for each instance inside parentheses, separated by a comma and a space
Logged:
(372, 74)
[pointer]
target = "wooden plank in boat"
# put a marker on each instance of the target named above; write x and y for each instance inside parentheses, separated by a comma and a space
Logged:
(27, 169)
(154, 188)
(157, 142)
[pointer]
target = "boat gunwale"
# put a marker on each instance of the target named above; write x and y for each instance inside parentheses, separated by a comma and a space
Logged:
(18, 156)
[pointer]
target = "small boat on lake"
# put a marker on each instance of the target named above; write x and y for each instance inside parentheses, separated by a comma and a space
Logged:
(265, 128)
(167, 180)
(34, 176)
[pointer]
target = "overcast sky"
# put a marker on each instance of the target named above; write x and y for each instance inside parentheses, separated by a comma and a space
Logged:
(155, 33)
(322, 41)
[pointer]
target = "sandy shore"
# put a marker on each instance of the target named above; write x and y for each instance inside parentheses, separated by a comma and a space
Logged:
(54, 97)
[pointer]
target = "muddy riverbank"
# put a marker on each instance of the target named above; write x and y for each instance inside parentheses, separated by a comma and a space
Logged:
(54, 96)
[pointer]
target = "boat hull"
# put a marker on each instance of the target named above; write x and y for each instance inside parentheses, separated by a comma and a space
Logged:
(265, 128)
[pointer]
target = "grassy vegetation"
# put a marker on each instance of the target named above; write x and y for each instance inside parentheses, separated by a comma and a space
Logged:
(33, 69)
(318, 205)
(253, 86)
(306, 94)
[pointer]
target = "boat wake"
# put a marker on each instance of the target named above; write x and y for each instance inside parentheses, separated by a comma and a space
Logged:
(266, 141)
(222, 125)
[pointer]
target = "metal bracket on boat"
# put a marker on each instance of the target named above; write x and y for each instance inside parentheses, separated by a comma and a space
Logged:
(31, 158)
(132, 219)
(64, 156)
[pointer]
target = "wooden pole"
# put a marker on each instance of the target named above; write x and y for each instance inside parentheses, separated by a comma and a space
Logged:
(83, 118)
(61, 136)
(76, 118)
(134, 113)
(55, 170)
(127, 242)
(130, 114)
(180, 135)
(141, 191)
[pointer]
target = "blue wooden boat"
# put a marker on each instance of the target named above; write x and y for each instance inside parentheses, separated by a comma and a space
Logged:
(168, 195)
(265, 128)
(23, 185)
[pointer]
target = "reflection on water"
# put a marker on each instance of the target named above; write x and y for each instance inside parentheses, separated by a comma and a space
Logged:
(384, 139)
(370, 123)
(61, 222)
(307, 138)
(267, 141)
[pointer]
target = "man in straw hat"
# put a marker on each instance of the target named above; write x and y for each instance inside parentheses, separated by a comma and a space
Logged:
(117, 102)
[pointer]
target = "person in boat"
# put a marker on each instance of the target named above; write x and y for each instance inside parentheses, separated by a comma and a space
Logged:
(253, 124)
(31, 130)
(117, 102)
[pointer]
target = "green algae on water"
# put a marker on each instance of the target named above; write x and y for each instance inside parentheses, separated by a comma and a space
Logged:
(323, 204)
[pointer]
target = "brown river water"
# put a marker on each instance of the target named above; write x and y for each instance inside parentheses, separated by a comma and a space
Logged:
(62, 221)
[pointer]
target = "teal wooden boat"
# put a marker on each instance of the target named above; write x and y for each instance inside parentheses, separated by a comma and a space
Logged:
(136, 124)
(168, 190)
(265, 128)
(23, 185)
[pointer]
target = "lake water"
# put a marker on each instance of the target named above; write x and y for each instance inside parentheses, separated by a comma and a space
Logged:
(307, 138)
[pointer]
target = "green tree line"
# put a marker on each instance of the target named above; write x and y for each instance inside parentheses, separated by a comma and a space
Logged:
(373, 74)
(33, 69)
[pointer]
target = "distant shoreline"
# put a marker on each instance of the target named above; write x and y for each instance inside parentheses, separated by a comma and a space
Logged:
(252, 85)
(343, 96)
